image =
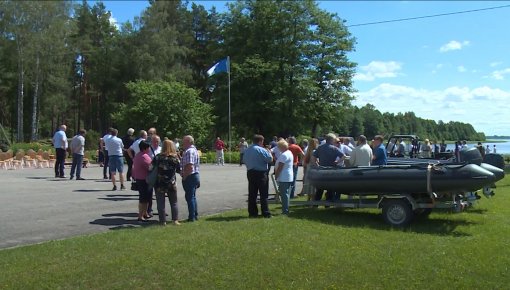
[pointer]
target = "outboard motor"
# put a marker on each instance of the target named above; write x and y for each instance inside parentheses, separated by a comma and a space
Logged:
(471, 156)
(494, 160)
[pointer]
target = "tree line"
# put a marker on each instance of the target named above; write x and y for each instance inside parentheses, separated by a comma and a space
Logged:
(66, 62)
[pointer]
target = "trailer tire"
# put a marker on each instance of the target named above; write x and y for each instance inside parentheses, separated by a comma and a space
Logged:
(397, 212)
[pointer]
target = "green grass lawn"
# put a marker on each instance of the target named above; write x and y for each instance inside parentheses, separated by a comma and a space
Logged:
(311, 249)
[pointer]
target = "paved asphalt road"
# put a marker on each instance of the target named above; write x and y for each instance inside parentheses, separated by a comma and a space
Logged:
(37, 207)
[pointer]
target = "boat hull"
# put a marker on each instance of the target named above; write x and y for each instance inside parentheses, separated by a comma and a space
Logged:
(401, 179)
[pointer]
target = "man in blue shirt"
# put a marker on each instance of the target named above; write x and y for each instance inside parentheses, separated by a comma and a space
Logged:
(380, 157)
(257, 160)
(327, 155)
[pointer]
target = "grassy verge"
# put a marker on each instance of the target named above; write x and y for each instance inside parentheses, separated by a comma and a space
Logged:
(311, 249)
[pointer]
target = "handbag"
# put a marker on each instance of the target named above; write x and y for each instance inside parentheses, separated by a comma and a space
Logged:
(134, 186)
(152, 177)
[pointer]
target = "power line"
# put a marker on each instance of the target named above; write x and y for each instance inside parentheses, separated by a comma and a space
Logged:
(428, 16)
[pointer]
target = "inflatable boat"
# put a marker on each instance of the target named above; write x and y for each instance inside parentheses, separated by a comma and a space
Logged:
(402, 179)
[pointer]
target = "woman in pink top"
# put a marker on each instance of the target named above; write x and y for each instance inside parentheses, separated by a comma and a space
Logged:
(141, 165)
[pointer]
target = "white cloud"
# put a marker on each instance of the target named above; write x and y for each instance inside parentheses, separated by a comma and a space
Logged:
(461, 68)
(378, 69)
(453, 45)
(500, 74)
(113, 22)
(495, 64)
(483, 107)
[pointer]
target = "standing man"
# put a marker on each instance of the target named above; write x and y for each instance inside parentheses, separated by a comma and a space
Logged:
(326, 155)
(243, 145)
(135, 147)
(380, 156)
(297, 154)
(78, 150)
(128, 141)
(219, 145)
(60, 144)
(257, 160)
(361, 154)
(114, 147)
(190, 175)
(105, 153)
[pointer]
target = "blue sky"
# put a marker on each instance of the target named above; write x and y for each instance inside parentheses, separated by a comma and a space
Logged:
(450, 68)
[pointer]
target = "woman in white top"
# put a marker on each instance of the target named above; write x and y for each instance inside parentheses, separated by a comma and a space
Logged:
(284, 174)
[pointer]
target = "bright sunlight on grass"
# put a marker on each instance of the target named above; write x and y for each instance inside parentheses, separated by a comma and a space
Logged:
(311, 249)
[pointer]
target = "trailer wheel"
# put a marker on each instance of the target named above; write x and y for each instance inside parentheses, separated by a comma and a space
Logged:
(397, 212)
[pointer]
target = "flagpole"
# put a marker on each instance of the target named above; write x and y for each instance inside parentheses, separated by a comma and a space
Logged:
(229, 114)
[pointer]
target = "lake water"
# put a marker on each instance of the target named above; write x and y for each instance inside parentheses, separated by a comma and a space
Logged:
(501, 148)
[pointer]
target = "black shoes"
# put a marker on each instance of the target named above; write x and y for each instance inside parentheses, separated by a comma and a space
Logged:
(122, 187)
(114, 188)
(80, 178)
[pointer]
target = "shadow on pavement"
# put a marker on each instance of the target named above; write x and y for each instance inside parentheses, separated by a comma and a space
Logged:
(352, 218)
(38, 177)
(118, 198)
(121, 195)
(89, 190)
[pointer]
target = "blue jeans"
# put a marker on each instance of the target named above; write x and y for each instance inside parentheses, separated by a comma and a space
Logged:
(284, 188)
(190, 185)
(295, 169)
(77, 164)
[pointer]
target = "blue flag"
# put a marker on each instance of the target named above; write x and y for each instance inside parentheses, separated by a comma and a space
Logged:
(219, 67)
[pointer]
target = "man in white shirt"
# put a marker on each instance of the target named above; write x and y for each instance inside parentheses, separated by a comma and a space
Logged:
(135, 147)
(115, 147)
(155, 148)
(105, 153)
(60, 144)
(78, 150)
(362, 154)
(284, 174)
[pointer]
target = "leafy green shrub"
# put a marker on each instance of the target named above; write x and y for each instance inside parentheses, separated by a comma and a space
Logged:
(34, 146)
(230, 157)
(91, 155)
(91, 140)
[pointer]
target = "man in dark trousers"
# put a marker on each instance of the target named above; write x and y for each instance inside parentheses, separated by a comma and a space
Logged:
(128, 141)
(257, 160)
(60, 144)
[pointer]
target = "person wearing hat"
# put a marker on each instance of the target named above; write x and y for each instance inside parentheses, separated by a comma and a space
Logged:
(128, 141)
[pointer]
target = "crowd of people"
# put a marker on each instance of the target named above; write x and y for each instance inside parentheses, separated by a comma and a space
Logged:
(286, 155)
(145, 156)
(148, 154)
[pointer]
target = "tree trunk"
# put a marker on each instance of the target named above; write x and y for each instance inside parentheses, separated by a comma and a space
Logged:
(35, 100)
(314, 129)
(21, 79)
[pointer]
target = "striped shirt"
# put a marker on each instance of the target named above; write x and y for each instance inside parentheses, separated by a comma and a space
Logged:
(190, 156)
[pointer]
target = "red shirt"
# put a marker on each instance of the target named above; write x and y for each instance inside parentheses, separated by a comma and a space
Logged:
(219, 145)
(296, 151)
